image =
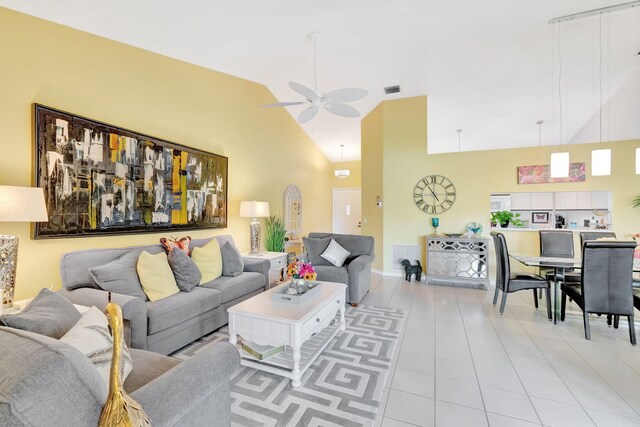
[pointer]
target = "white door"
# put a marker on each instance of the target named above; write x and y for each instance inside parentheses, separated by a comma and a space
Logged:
(346, 211)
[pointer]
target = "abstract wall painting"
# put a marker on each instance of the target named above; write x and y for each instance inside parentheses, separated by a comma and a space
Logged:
(100, 179)
(540, 174)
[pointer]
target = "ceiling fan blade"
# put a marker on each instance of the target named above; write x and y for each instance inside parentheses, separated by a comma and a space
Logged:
(281, 104)
(346, 95)
(342, 110)
(307, 114)
(303, 90)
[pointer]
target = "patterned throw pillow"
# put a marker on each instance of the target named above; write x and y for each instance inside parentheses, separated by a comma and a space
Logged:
(92, 338)
(182, 244)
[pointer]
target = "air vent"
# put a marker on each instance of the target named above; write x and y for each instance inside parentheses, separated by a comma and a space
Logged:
(391, 89)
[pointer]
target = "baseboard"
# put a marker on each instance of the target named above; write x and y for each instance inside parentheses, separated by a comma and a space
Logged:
(394, 274)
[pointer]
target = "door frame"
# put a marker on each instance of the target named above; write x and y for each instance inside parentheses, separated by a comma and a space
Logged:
(333, 204)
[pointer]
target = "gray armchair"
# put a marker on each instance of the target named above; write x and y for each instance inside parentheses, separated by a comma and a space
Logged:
(44, 382)
(356, 271)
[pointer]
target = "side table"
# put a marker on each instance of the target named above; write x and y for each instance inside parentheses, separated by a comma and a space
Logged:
(278, 262)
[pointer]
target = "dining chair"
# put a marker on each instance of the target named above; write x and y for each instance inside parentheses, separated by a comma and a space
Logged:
(595, 235)
(558, 244)
(606, 283)
(509, 282)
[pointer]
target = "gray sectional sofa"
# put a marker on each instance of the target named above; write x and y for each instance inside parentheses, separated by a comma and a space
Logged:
(169, 324)
(356, 271)
(45, 382)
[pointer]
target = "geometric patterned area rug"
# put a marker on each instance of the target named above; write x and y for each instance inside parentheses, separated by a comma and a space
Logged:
(343, 387)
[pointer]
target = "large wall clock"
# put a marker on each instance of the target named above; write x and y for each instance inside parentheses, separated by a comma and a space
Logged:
(434, 194)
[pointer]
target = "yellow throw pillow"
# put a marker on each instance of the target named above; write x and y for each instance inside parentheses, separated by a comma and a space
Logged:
(209, 261)
(155, 275)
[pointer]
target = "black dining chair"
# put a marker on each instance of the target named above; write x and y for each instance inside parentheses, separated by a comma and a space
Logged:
(509, 282)
(558, 244)
(606, 283)
(595, 235)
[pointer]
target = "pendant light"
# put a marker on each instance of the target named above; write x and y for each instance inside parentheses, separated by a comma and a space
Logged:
(559, 161)
(342, 173)
(600, 159)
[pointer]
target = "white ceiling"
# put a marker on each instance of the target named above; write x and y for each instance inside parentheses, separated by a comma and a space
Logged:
(486, 65)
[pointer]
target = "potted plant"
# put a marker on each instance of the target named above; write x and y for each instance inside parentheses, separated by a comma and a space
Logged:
(504, 218)
(275, 232)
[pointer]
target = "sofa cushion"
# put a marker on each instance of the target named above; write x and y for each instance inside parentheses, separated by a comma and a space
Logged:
(184, 270)
(329, 273)
(120, 276)
(47, 314)
(208, 258)
(182, 306)
(235, 287)
(91, 336)
(156, 276)
(315, 248)
(335, 254)
(147, 367)
(232, 263)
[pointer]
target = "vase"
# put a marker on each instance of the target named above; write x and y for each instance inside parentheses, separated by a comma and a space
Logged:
(300, 285)
(504, 224)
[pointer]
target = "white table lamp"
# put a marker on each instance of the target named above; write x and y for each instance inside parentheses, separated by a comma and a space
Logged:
(254, 210)
(17, 204)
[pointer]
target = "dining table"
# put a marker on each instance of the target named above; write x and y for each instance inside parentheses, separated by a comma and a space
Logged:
(560, 267)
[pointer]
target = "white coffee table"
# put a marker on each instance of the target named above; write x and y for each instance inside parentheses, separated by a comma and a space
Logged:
(305, 329)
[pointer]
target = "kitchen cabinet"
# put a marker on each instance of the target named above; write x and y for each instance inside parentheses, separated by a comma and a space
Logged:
(600, 199)
(565, 200)
(583, 200)
(542, 201)
(520, 201)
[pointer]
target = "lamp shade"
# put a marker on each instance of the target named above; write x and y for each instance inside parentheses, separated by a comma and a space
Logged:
(559, 165)
(254, 209)
(601, 162)
(22, 204)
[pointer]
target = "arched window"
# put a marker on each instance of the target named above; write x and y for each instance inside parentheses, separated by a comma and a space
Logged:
(293, 211)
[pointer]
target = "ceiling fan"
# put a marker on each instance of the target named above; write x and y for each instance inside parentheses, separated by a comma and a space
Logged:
(334, 101)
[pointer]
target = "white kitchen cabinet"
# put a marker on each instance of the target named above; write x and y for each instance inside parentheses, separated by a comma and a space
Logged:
(565, 200)
(542, 201)
(583, 200)
(520, 201)
(600, 199)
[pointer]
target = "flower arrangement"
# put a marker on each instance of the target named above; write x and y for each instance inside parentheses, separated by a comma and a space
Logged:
(301, 270)
(636, 237)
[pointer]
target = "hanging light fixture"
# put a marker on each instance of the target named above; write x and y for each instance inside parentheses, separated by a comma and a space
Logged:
(560, 161)
(342, 173)
(600, 159)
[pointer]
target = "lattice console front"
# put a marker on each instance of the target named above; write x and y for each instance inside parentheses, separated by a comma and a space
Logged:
(458, 260)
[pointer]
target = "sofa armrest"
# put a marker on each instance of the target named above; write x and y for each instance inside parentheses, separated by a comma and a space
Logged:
(197, 385)
(360, 263)
(258, 266)
(134, 310)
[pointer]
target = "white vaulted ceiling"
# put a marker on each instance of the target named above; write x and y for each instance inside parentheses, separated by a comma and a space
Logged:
(486, 65)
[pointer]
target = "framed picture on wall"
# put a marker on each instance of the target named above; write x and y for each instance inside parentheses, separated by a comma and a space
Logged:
(100, 179)
(539, 217)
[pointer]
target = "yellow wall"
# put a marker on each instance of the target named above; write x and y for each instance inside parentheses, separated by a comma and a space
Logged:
(149, 93)
(352, 181)
(476, 175)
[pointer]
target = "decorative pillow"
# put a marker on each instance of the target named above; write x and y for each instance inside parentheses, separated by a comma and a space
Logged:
(120, 276)
(315, 248)
(209, 261)
(232, 263)
(182, 244)
(48, 314)
(184, 270)
(92, 338)
(335, 254)
(156, 276)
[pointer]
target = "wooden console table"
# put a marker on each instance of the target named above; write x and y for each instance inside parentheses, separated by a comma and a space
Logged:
(458, 260)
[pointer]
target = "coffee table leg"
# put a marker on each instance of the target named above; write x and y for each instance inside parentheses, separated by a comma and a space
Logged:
(296, 376)
(343, 324)
(233, 338)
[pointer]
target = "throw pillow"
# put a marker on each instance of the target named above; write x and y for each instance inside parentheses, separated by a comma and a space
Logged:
(315, 248)
(49, 313)
(156, 276)
(335, 254)
(120, 276)
(173, 243)
(184, 270)
(209, 261)
(92, 338)
(232, 263)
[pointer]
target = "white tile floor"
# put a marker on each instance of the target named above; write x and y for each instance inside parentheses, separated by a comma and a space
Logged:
(462, 364)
